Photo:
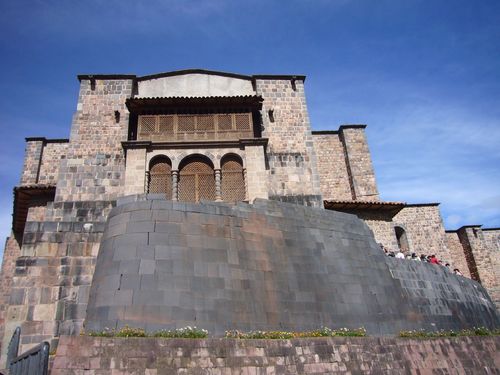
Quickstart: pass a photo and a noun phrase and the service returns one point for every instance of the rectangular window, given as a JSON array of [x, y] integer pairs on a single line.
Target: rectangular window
[[171, 128]]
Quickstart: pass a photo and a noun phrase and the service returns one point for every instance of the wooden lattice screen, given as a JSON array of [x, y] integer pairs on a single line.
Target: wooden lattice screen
[[160, 177], [196, 181], [195, 127], [233, 181]]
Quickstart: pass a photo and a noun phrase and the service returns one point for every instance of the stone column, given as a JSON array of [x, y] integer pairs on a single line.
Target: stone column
[[146, 182], [256, 174], [136, 174], [245, 182], [218, 192], [175, 185]]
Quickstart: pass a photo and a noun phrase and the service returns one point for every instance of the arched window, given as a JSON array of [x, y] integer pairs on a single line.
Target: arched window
[[402, 239], [160, 176], [196, 179], [232, 179]]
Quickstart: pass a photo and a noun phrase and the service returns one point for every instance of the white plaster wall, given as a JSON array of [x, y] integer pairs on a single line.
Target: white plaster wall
[[195, 85]]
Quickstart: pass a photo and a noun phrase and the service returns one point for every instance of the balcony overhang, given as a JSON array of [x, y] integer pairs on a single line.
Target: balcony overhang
[[238, 143], [27, 196], [389, 209], [196, 104]]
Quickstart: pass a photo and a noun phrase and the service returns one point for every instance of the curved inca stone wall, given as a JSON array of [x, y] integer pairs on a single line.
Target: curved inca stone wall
[[266, 266]]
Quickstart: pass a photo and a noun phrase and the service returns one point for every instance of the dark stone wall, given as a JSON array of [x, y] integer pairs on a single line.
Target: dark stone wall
[[268, 266], [147, 356], [49, 277]]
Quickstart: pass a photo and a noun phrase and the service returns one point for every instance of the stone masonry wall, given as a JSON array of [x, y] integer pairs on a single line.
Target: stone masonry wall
[[53, 271], [256, 172], [492, 241], [149, 356], [359, 162], [332, 168], [95, 165], [457, 255], [135, 172], [382, 228], [32, 156], [52, 154], [42, 159], [11, 253], [293, 174], [425, 230], [482, 259]]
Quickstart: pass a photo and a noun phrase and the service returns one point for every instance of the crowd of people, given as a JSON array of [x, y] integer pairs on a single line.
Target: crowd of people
[[433, 259]]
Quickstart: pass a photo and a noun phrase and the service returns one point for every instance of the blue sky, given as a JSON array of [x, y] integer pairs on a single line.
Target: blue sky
[[424, 75]]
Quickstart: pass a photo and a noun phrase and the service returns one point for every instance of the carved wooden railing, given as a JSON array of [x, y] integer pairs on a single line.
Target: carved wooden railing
[[170, 128]]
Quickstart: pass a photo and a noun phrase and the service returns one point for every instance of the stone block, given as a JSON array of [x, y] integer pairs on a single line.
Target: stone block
[[17, 296], [129, 266], [147, 267], [146, 252], [44, 312], [140, 215], [130, 281], [163, 227], [158, 239], [130, 239], [125, 252], [140, 227]]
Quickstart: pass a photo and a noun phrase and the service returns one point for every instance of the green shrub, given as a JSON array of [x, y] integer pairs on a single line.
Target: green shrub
[[235, 334], [479, 331], [186, 332], [104, 333], [130, 332], [323, 332]]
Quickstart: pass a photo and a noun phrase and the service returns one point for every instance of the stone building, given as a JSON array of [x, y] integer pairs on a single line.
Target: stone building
[[192, 136]]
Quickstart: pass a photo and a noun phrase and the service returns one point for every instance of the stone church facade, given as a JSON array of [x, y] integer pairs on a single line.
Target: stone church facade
[[191, 136]]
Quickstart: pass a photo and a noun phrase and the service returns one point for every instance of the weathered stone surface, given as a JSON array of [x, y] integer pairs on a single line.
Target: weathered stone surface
[[268, 266], [463, 355], [425, 230], [94, 166], [358, 162], [482, 255], [291, 156], [47, 282], [332, 168]]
